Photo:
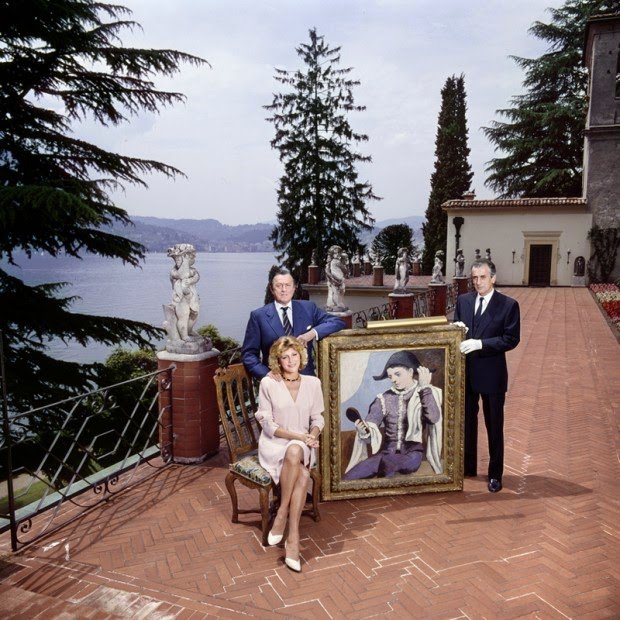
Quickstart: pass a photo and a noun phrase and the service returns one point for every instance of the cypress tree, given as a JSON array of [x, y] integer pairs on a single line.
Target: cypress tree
[[452, 175], [61, 61], [541, 141], [321, 200]]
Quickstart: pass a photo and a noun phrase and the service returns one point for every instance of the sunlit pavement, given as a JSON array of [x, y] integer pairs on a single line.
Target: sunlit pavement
[[546, 546]]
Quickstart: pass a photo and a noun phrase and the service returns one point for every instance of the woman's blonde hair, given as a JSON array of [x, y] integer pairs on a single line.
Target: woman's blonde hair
[[282, 344]]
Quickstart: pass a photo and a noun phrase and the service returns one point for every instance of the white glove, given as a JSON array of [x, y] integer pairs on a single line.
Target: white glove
[[461, 324], [467, 346]]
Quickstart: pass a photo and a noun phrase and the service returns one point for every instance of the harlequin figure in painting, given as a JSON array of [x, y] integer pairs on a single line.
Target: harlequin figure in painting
[[410, 413]]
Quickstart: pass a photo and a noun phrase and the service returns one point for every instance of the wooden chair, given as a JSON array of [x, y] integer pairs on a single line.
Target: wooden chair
[[237, 404]]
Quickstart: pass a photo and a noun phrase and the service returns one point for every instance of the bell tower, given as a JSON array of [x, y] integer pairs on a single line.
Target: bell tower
[[601, 165]]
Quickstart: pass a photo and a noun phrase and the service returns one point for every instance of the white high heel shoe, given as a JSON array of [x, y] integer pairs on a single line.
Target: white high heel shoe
[[274, 539], [292, 564]]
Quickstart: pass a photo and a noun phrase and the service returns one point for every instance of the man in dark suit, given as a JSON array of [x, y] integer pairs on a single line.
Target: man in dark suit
[[284, 316], [493, 326]]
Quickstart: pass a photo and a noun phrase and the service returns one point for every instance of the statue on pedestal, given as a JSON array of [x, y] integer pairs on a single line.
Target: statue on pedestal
[[437, 267], [487, 255], [401, 271], [477, 256], [460, 263], [336, 270], [182, 313]]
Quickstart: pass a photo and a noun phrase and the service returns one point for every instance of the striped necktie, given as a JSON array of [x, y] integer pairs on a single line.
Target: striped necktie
[[479, 310], [288, 328]]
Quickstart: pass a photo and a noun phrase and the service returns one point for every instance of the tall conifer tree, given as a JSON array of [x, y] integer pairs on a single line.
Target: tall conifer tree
[[62, 61], [541, 141], [387, 243], [321, 200], [452, 175]]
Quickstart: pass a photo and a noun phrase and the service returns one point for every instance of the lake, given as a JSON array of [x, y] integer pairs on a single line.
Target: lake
[[230, 286]]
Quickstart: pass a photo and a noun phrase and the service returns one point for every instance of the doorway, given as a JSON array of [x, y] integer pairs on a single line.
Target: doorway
[[540, 265]]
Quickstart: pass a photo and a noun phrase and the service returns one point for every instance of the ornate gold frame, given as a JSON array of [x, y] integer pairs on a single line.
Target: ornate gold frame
[[429, 341]]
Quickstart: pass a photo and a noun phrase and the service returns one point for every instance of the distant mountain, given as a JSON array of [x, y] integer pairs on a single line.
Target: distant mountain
[[158, 234], [414, 221]]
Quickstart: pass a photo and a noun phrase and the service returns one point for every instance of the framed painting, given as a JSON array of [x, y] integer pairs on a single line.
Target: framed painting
[[394, 396]]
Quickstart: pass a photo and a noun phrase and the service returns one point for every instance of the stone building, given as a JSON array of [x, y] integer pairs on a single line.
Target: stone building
[[544, 241]]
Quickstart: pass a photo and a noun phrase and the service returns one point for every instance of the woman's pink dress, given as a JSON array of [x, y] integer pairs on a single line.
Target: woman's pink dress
[[276, 408]]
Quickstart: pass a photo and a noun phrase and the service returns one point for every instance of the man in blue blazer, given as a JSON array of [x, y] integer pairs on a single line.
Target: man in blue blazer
[[493, 326], [303, 319]]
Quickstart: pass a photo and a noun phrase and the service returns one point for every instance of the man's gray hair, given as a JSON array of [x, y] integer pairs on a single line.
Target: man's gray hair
[[280, 271], [481, 262]]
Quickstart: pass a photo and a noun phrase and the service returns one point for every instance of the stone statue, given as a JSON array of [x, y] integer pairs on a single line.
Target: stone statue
[[437, 267], [313, 262], [401, 270], [487, 255], [356, 259], [478, 256], [460, 263], [335, 273], [182, 313]]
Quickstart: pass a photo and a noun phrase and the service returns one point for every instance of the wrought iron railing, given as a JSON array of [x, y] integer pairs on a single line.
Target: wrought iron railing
[[62, 459], [383, 312], [452, 292]]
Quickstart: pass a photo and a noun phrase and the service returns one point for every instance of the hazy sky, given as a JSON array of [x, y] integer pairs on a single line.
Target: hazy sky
[[402, 51]]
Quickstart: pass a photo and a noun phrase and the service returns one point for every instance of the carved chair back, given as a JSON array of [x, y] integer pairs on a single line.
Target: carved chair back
[[236, 401]]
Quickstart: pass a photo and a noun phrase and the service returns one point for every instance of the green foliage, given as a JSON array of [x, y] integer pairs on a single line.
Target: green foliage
[[62, 62], [541, 142], [605, 243], [452, 175], [321, 200], [124, 364], [221, 343], [389, 240]]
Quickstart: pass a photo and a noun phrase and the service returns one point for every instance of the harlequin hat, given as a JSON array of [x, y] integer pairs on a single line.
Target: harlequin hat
[[401, 358]]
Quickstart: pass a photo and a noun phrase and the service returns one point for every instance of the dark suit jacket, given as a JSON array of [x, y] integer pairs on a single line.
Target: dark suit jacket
[[265, 327], [499, 330]]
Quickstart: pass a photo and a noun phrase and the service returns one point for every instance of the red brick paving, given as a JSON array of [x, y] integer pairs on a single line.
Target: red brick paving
[[544, 547]]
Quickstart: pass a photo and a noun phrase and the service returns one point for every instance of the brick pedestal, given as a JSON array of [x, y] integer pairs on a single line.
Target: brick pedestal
[[192, 406], [357, 270], [367, 269], [313, 274], [347, 317], [461, 284], [377, 276], [440, 298], [416, 269], [404, 304]]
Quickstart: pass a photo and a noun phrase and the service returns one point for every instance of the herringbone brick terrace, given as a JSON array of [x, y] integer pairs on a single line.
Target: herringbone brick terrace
[[546, 546]]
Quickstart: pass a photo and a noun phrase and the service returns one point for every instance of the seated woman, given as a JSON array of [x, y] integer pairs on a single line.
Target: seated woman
[[290, 408]]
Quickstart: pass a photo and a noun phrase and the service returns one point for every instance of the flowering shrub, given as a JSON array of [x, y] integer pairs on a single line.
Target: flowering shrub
[[608, 295]]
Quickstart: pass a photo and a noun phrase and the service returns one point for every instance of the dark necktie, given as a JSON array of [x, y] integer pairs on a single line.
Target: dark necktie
[[288, 328], [478, 310]]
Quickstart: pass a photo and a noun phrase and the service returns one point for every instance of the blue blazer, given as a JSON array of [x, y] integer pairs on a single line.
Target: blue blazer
[[265, 327], [499, 330]]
